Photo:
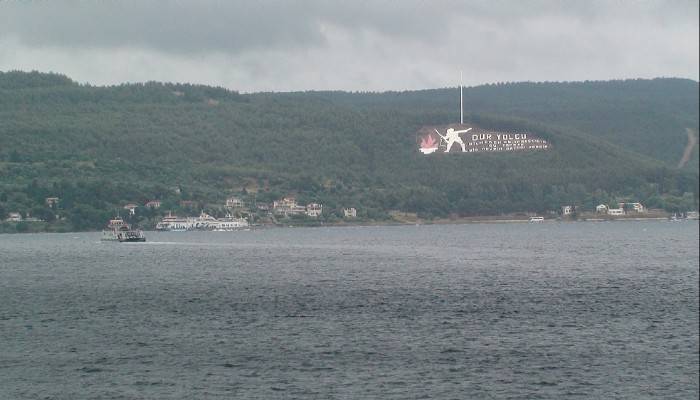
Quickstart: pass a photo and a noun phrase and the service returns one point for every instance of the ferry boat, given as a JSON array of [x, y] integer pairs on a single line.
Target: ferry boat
[[536, 219], [230, 223], [173, 223], [204, 222], [119, 231]]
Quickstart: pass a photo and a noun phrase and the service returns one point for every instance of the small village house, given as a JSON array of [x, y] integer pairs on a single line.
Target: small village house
[[636, 207], [14, 217], [287, 206], [154, 204], [601, 209], [350, 212], [131, 207], [234, 202], [51, 201], [567, 210], [314, 210], [616, 211]]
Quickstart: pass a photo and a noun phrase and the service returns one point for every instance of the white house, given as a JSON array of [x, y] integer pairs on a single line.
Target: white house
[[153, 204], [637, 207], [287, 206], [131, 207], [234, 202], [567, 210], [601, 209], [14, 217], [350, 212], [314, 210], [51, 201], [616, 211]]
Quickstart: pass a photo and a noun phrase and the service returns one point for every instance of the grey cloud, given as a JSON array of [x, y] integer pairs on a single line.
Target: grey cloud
[[176, 26], [231, 26], [360, 45]]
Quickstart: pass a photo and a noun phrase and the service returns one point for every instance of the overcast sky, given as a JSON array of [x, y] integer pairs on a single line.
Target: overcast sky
[[357, 45]]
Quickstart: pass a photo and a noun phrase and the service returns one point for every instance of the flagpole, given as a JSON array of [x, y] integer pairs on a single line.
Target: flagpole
[[461, 101]]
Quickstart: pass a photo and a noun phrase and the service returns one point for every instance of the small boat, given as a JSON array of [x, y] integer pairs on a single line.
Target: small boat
[[119, 231], [536, 219]]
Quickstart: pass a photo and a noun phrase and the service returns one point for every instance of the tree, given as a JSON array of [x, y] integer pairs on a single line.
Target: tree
[[43, 213]]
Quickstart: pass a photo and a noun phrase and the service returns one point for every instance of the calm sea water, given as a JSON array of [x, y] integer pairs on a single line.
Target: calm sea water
[[542, 311]]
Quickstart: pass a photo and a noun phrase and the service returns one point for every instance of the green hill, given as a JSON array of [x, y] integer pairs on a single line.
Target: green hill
[[99, 147], [646, 116]]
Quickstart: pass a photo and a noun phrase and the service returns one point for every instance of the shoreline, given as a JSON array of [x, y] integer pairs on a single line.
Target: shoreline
[[411, 222]]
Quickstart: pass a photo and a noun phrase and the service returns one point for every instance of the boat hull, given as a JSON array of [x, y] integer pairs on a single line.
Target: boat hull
[[130, 240], [123, 237]]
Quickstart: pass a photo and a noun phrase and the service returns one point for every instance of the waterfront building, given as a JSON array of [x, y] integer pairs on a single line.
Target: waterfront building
[[567, 210], [616, 211], [350, 212], [14, 217], [601, 209], [314, 210], [637, 207]]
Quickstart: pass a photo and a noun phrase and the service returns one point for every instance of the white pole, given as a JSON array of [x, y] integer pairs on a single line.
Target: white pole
[[461, 101]]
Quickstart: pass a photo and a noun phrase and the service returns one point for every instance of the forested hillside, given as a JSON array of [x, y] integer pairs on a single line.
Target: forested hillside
[[646, 116], [99, 147]]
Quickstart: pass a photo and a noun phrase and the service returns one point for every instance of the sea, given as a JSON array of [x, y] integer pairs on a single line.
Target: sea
[[583, 310]]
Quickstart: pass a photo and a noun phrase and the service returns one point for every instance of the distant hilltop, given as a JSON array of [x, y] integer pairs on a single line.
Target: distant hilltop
[[98, 148]]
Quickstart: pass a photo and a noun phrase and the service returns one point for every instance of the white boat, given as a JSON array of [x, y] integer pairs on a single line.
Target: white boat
[[230, 223], [204, 222], [119, 231], [173, 223], [536, 219]]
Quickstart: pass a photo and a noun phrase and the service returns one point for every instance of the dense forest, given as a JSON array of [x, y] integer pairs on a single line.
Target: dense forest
[[97, 148]]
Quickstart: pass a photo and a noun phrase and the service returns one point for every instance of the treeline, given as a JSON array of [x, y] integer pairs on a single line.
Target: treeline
[[87, 205]]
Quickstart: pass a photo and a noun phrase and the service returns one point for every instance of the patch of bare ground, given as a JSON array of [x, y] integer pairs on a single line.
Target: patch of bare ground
[[692, 141]]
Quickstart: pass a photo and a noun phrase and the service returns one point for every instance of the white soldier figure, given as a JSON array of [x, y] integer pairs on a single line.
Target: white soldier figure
[[452, 136]]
